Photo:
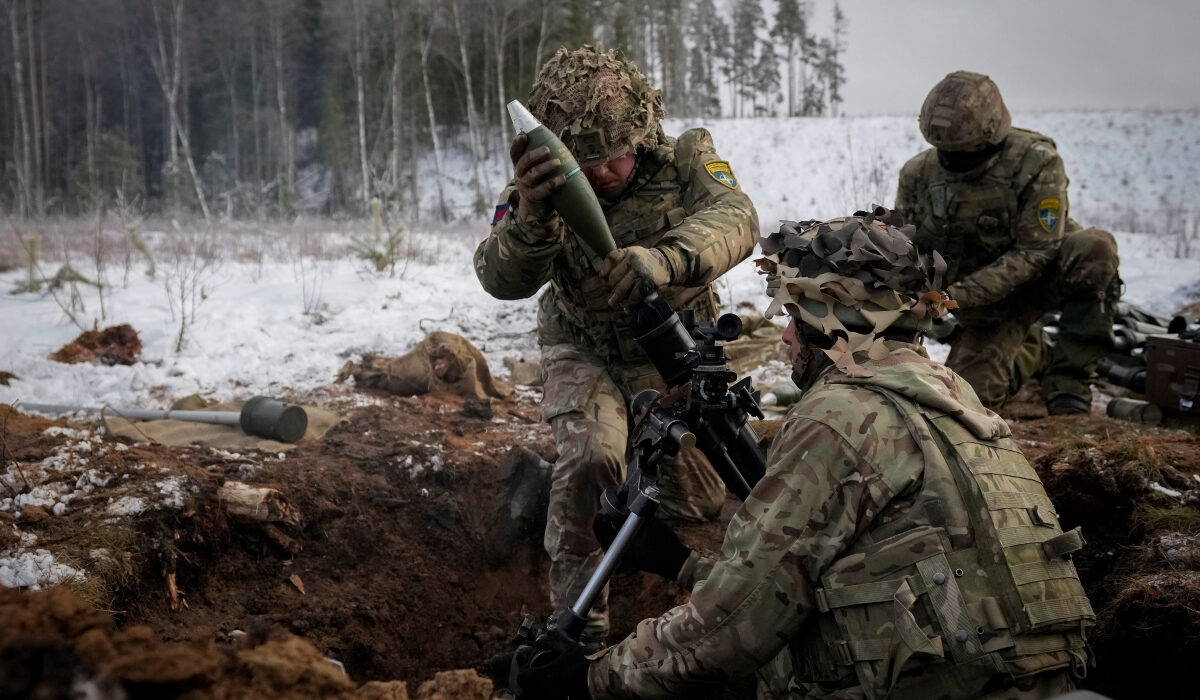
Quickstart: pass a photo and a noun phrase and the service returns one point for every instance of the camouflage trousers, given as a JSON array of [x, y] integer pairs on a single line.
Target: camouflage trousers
[[586, 405], [1083, 285]]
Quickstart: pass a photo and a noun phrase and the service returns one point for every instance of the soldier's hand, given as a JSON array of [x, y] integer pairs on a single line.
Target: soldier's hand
[[563, 678], [633, 273], [655, 548], [536, 175]]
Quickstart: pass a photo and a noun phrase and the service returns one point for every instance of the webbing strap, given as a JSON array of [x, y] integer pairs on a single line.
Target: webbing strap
[[1042, 571], [958, 628], [848, 653], [1001, 500], [1043, 612], [1019, 470], [863, 593], [1064, 544], [1025, 534], [1030, 644]]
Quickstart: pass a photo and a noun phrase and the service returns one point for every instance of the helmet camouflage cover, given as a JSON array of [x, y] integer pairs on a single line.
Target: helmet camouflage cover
[[852, 279], [598, 103], [964, 112]]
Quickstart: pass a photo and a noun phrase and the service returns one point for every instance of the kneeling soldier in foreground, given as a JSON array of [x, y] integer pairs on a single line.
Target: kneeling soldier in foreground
[[899, 546]]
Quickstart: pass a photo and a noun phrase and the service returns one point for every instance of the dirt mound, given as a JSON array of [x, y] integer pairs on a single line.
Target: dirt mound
[[115, 345], [1134, 490], [55, 645]]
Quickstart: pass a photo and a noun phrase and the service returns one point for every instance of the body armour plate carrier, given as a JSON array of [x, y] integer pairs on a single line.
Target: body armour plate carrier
[[970, 221], [983, 596]]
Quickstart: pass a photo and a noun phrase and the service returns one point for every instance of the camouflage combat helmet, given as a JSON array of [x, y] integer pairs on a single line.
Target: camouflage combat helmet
[[598, 103], [853, 278], [964, 112]]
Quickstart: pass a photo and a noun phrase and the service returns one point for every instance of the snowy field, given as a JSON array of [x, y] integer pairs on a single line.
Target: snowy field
[[283, 306]]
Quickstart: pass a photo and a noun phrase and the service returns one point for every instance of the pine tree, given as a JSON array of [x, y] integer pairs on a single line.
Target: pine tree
[[748, 21], [791, 30], [835, 72], [766, 80]]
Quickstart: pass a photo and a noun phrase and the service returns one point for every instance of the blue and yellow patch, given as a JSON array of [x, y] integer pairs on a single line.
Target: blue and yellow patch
[[1049, 213], [722, 173]]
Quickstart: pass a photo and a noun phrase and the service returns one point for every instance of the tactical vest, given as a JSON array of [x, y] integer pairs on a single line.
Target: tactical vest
[[983, 595], [653, 206], [971, 222]]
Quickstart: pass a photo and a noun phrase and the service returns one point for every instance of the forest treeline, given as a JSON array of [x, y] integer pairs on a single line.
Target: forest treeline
[[260, 108]]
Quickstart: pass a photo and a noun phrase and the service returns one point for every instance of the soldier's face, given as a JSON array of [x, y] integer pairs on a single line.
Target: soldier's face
[[609, 178], [791, 338]]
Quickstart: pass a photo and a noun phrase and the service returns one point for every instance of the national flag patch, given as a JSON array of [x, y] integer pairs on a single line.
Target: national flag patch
[[1049, 213], [501, 210], [722, 173]]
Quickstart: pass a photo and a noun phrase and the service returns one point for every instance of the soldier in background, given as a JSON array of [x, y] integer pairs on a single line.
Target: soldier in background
[[898, 546], [680, 221], [993, 200]]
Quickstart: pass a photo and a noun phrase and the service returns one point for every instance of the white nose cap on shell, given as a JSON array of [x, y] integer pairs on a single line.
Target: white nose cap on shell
[[521, 117]]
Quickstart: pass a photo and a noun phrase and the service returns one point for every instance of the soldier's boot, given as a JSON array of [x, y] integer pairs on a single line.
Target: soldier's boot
[[1085, 334]]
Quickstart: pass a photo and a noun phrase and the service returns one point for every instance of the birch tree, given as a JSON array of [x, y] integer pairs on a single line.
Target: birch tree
[[427, 21], [166, 58]]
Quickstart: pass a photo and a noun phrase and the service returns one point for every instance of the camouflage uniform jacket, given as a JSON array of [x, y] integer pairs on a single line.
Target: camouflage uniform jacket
[[674, 202], [829, 573], [999, 225]]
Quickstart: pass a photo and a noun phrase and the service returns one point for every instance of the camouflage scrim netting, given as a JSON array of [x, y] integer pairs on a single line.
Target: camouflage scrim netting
[[853, 278], [964, 112], [597, 102]]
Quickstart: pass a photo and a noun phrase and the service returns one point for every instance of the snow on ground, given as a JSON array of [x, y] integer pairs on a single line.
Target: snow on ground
[[291, 320]]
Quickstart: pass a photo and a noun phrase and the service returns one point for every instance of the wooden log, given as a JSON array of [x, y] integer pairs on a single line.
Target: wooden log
[[258, 504]]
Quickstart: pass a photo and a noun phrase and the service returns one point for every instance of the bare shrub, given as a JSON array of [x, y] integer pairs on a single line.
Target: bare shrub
[[192, 261]]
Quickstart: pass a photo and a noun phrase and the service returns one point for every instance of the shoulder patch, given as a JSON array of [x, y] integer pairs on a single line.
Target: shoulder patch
[[1049, 213], [722, 173], [501, 210]]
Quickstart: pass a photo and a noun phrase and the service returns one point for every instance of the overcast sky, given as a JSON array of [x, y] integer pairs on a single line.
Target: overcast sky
[[1044, 54]]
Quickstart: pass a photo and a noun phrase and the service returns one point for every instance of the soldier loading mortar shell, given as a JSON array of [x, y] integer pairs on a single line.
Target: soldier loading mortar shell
[[679, 221]]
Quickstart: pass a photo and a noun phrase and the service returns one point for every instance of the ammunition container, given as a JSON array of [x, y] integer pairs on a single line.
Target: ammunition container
[[1134, 410]]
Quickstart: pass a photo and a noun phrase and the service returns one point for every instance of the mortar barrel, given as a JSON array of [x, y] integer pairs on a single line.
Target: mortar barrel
[[215, 417]]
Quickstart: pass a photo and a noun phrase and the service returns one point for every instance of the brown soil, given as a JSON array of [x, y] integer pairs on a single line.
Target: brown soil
[[409, 562], [115, 345]]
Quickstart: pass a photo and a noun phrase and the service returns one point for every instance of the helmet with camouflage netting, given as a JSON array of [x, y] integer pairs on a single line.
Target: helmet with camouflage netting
[[964, 112], [597, 102], [855, 280]]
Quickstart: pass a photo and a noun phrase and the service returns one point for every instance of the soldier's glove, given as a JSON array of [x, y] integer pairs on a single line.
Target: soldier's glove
[[563, 678], [536, 176], [655, 548], [633, 273]]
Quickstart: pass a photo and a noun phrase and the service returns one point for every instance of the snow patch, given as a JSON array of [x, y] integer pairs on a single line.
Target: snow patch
[[36, 570], [126, 505], [1155, 486]]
